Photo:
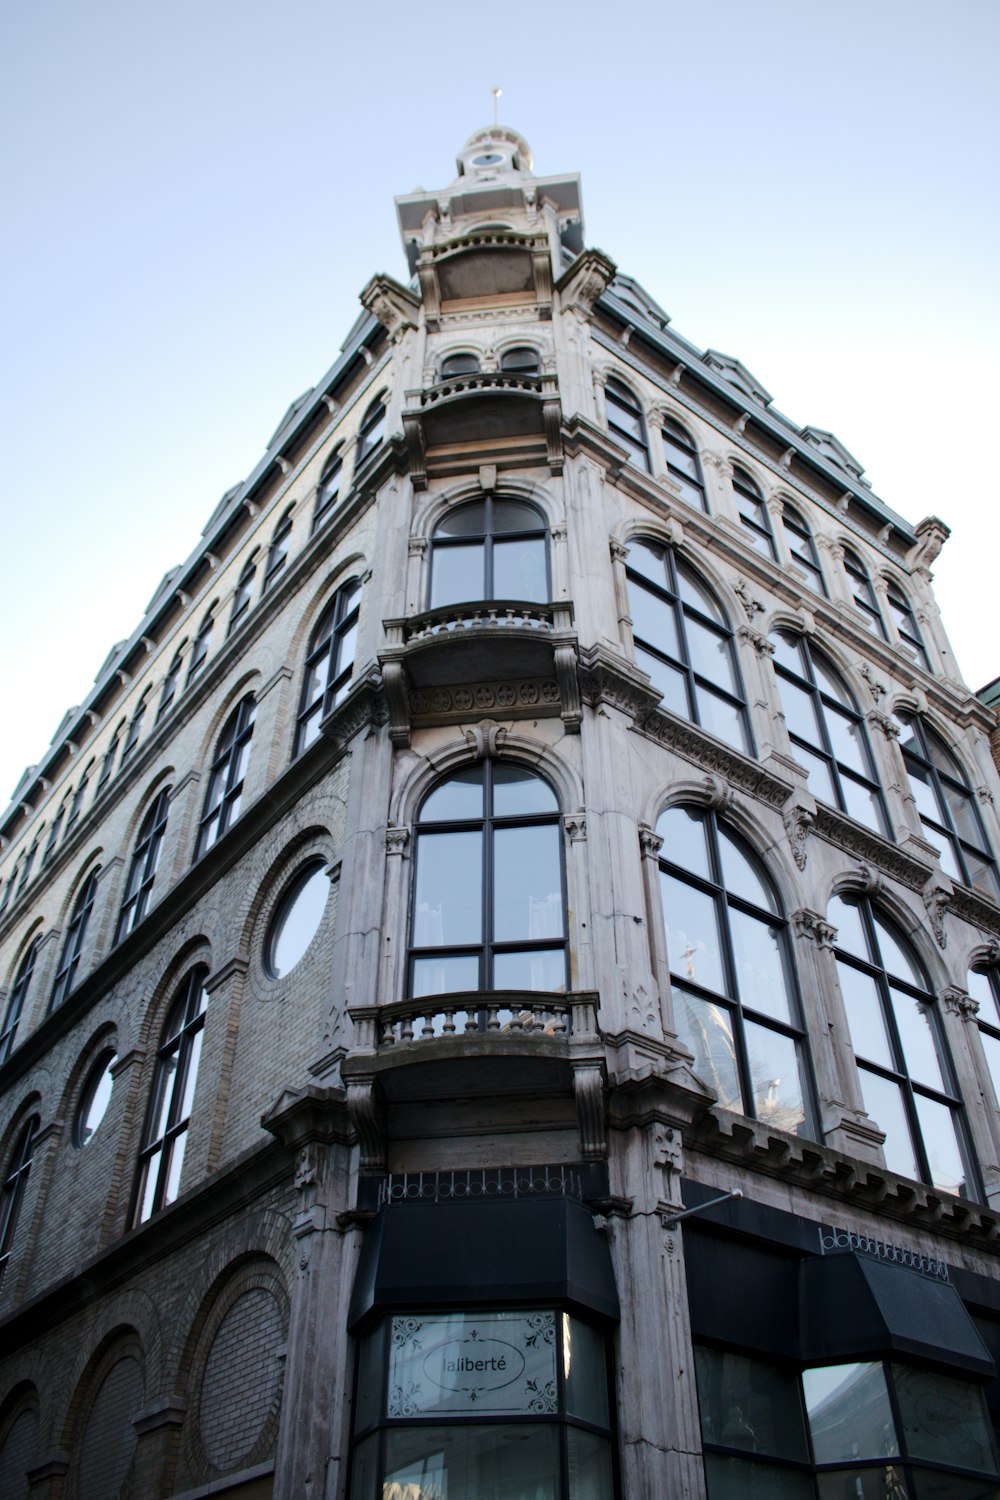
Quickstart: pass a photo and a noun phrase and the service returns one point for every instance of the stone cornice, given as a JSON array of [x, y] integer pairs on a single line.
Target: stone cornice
[[845, 834]]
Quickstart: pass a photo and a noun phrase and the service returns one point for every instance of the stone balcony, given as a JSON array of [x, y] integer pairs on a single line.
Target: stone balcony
[[500, 268], [507, 658], [496, 417]]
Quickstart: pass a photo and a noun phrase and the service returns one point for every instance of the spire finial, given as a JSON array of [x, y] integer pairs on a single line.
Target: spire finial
[[496, 104]]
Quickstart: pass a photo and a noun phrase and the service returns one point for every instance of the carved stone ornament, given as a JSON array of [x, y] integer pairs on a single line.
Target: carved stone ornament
[[306, 1167], [937, 899], [485, 740], [959, 1002], [575, 826], [931, 534], [751, 606], [883, 722], [364, 1106], [588, 1091], [798, 820], [736, 770], [811, 924], [394, 305], [417, 546], [536, 695], [756, 639], [719, 796], [649, 842], [584, 281], [667, 1148], [985, 795], [396, 840], [877, 689]]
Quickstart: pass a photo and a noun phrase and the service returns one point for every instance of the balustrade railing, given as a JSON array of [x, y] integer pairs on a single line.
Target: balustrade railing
[[507, 1016]]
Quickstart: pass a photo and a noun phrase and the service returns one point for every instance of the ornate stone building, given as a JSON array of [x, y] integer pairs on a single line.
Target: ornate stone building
[[500, 981]]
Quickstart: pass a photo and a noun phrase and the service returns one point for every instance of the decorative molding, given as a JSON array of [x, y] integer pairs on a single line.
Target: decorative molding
[[811, 924], [396, 839], [985, 796], [711, 755], [871, 848], [485, 740], [364, 707], [417, 546], [959, 1002], [798, 820], [533, 694], [751, 606], [584, 281], [575, 826], [588, 1091], [877, 689], [649, 842], [367, 1115], [396, 308], [882, 722], [937, 894], [931, 534], [756, 639], [975, 908]]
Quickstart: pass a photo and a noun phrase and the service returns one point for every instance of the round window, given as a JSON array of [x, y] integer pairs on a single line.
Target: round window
[[297, 919], [487, 159], [95, 1098]]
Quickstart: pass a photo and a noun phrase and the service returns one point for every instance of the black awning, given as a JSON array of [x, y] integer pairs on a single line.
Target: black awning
[[854, 1307], [541, 1250]]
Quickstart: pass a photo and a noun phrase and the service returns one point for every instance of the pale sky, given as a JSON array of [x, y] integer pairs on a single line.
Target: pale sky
[[196, 193]]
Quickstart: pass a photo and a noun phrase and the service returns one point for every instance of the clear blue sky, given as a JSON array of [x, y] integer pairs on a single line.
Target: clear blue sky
[[196, 193]]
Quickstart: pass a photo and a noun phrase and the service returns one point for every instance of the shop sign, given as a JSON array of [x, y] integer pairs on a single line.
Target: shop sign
[[490, 1365]]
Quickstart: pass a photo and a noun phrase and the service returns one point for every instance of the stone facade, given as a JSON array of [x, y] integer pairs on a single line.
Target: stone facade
[[522, 539]]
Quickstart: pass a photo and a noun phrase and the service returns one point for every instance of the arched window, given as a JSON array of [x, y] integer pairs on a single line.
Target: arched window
[[907, 1080], [801, 547], [12, 1193], [16, 998], [489, 549], [947, 806], [108, 763], [277, 553], [135, 727], [330, 663], [984, 987], [731, 976], [225, 782], [54, 832], [906, 625], [244, 589], [142, 872], [488, 903], [372, 431], [863, 594], [199, 651], [170, 683], [682, 463], [827, 731], [459, 364], [328, 491], [753, 514], [683, 640], [26, 868], [76, 932], [521, 361], [78, 796], [626, 423], [169, 1114]]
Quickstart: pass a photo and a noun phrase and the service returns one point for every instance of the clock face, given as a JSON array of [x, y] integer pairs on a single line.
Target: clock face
[[487, 159]]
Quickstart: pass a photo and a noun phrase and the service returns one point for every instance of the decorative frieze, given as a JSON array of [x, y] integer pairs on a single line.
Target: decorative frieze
[[870, 847], [702, 750], [536, 694]]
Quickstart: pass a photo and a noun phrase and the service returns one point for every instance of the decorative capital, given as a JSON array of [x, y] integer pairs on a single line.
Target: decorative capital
[[619, 551], [757, 640], [557, 533], [575, 827], [649, 842], [985, 795], [417, 546], [396, 840], [959, 1002], [883, 722], [811, 924]]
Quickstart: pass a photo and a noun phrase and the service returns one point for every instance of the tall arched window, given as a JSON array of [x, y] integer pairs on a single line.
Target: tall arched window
[[683, 640], [906, 624], [801, 546], [731, 976], [984, 987], [488, 902], [76, 932], [863, 594], [827, 731], [907, 1080], [277, 553], [199, 650], [169, 1114], [753, 514], [12, 1193], [225, 783], [626, 423], [372, 432], [947, 806], [328, 491], [27, 867], [244, 590], [16, 998], [142, 871], [459, 364], [170, 683], [489, 549], [682, 463], [330, 662]]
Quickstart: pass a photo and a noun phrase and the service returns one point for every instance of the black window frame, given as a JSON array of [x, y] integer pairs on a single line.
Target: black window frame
[[802, 546], [76, 804], [328, 489], [12, 1191], [905, 622], [169, 689], [15, 1000], [680, 453], [751, 507], [54, 832], [371, 433], [27, 867], [862, 592], [76, 933], [510, 365], [622, 405], [108, 763], [226, 776], [336, 623], [488, 538], [199, 646], [142, 869], [135, 725], [988, 1021], [462, 362], [920, 758], [166, 1125], [277, 552], [243, 592]]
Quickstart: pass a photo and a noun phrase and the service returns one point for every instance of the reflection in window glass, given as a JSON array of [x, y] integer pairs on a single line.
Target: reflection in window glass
[[95, 1098], [849, 1412], [489, 549], [297, 920]]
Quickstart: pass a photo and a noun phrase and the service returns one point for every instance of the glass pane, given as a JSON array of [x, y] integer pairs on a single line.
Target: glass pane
[[653, 619], [588, 1457], [624, 416], [467, 520], [445, 976], [820, 780], [682, 830], [346, 648], [457, 799], [647, 558], [519, 570], [96, 1098], [750, 1403], [677, 446], [297, 921], [798, 706], [517, 792], [788, 652], [931, 1485], [667, 680], [473, 1364], [981, 989], [691, 492], [448, 898], [191, 1074], [741, 877], [527, 899], [897, 957], [176, 1149], [775, 1078], [511, 515], [963, 814], [743, 1479], [863, 804], [148, 1192], [585, 1372], [721, 718], [710, 655], [849, 1413], [692, 933], [923, 791], [881, 1482], [847, 740], [864, 1015], [694, 593], [706, 1030], [364, 1470], [758, 952], [940, 1137], [166, 1075], [884, 1104], [846, 917], [828, 681], [510, 1462], [941, 756], [982, 874], [457, 575], [944, 1420], [537, 969], [916, 1034]]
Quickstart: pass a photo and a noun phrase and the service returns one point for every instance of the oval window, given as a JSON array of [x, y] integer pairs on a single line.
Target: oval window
[[95, 1098], [297, 919]]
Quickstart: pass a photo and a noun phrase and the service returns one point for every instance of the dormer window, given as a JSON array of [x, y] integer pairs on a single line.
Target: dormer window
[[459, 364]]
